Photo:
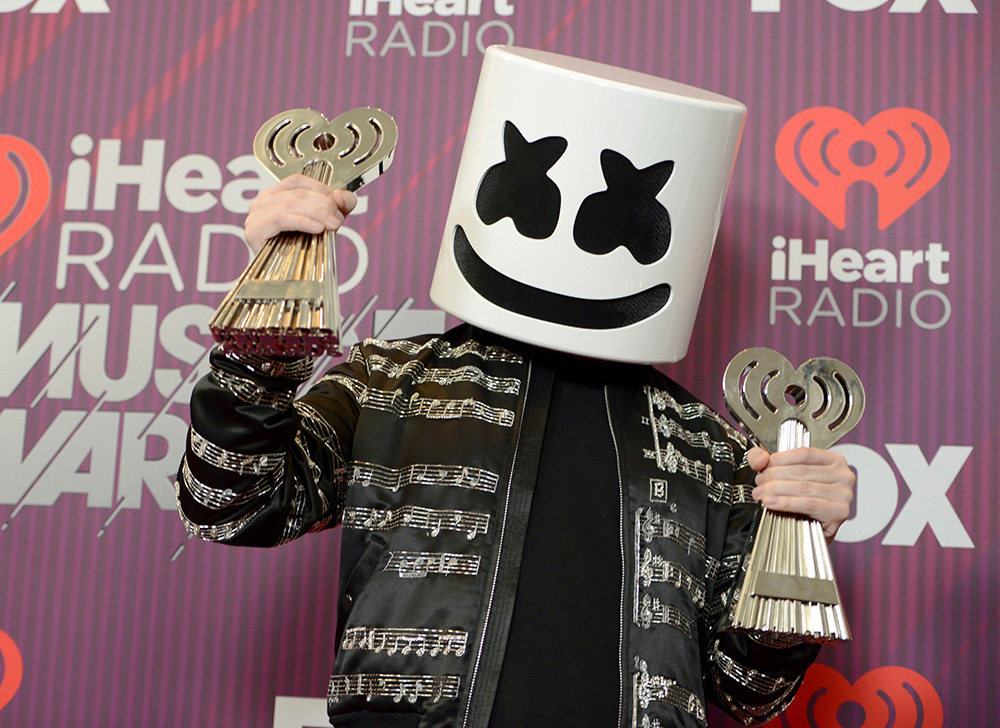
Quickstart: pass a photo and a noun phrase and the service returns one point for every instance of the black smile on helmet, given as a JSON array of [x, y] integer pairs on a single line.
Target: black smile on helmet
[[537, 303]]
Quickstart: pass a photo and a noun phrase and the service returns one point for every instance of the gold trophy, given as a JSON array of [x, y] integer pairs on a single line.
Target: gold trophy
[[790, 589], [285, 303]]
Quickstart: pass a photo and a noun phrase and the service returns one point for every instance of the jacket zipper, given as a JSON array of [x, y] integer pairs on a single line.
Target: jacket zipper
[[621, 544]]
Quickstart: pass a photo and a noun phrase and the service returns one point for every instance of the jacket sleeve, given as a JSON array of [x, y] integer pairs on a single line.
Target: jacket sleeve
[[751, 678], [260, 467]]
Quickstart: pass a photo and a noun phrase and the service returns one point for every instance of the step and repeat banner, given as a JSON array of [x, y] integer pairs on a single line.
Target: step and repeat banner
[[861, 224]]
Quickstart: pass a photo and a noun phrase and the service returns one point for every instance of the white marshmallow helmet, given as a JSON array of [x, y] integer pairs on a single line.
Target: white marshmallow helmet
[[586, 206]]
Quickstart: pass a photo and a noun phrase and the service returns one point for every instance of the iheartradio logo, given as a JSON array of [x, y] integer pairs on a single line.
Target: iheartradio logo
[[25, 185], [886, 697], [11, 668], [901, 152]]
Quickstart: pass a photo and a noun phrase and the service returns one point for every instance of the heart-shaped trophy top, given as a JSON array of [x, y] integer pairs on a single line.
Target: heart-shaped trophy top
[[762, 391], [354, 148]]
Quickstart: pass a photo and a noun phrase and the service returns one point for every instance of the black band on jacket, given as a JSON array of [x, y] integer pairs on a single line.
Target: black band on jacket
[[525, 457]]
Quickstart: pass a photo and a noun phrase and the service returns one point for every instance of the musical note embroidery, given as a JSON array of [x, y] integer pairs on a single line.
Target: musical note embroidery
[[654, 568], [249, 391], [652, 611], [656, 688], [718, 451], [650, 524], [419, 564], [429, 519], [668, 458], [691, 411], [444, 350], [366, 474], [419, 373], [218, 499], [398, 687], [401, 406], [234, 462], [404, 640], [650, 568], [748, 677]]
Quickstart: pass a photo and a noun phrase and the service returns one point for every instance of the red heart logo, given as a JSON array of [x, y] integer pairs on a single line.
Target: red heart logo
[[25, 185], [13, 669], [886, 697], [823, 151]]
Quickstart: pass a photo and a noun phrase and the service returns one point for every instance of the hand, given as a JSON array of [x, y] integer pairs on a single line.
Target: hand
[[808, 481], [296, 203]]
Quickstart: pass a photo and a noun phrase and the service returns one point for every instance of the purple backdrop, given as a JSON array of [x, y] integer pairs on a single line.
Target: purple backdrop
[[859, 224]]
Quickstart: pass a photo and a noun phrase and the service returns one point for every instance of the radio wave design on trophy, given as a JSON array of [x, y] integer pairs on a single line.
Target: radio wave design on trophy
[[901, 152], [286, 302], [764, 392], [886, 697], [790, 588]]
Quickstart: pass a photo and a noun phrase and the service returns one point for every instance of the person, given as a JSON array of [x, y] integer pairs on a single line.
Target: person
[[534, 531]]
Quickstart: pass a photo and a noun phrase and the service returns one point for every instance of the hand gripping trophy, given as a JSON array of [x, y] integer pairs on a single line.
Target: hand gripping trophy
[[790, 587], [285, 303]]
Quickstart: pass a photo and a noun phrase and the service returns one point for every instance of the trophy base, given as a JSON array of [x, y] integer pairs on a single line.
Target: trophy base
[[789, 591], [822, 627], [276, 342]]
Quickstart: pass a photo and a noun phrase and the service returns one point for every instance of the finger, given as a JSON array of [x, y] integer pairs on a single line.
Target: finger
[[294, 197], [758, 458], [806, 474], [837, 492], [833, 469], [346, 201], [301, 182], [309, 205], [289, 220], [298, 185], [829, 513], [806, 456]]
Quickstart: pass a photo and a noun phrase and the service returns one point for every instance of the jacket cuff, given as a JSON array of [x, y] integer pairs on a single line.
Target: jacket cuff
[[756, 681]]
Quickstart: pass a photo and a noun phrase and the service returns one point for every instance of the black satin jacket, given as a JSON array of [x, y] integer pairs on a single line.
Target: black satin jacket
[[425, 451]]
